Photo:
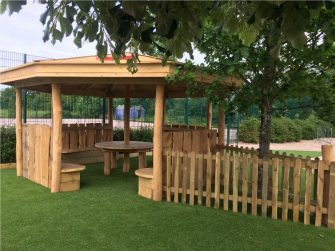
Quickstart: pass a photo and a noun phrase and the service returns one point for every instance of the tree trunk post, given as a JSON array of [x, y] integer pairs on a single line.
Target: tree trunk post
[[110, 123], [19, 153], [327, 157], [126, 113], [158, 144], [209, 115], [56, 137]]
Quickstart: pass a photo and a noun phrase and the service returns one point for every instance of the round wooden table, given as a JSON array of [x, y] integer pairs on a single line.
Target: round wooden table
[[110, 148]]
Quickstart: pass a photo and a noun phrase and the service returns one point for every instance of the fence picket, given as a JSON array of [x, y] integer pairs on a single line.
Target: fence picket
[[184, 184], [235, 182], [209, 179], [176, 177], [286, 183], [296, 198], [265, 188], [319, 201], [168, 176], [200, 178], [226, 181], [217, 179], [192, 178], [275, 188], [245, 168], [254, 184], [308, 186]]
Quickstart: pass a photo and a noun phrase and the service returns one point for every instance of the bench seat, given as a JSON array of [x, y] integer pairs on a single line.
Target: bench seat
[[70, 177], [145, 176]]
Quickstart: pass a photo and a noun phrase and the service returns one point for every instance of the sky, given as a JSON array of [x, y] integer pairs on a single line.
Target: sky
[[22, 33]]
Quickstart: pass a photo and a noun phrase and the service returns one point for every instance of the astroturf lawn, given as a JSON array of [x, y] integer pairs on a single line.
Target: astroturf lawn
[[107, 214]]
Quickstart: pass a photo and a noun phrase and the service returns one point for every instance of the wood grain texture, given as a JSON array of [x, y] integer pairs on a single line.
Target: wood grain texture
[[286, 183], [168, 176], [208, 179], [226, 181], [176, 177], [235, 182], [19, 154], [192, 178], [319, 201], [265, 188], [297, 189], [331, 206], [200, 178], [275, 184], [245, 169], [308, 191], [254, 184]]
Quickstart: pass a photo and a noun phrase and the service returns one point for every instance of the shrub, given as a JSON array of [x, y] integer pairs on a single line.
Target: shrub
[[249, 130], [294, 133], [8, 144], [279, 130], [141, 134]]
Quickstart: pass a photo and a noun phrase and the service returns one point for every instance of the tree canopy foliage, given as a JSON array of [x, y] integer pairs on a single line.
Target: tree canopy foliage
[[171, 26]]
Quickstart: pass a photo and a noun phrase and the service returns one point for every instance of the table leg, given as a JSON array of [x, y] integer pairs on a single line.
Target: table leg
[[114, 160], [142, 160], [126, 162], [107, 163]]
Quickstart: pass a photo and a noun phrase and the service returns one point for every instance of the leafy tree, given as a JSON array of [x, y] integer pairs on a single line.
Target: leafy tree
[[292, 74], [171, 26]]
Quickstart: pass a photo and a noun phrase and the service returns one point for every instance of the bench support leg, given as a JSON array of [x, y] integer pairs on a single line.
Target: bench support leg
[[126, 163], [114, 160], [142, 160], [107, 163]]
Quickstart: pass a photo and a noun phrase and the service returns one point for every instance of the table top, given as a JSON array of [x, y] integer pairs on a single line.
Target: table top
[[120, 145]]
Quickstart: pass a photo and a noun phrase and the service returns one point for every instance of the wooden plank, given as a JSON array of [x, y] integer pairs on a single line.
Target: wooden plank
[[200, 178], [45, 146], [168, 176], [184, 184], [331, 206], [31, 152], [308, 188], [209, 179], [65, 137], [192, 178], [319, 201], [196, 147], [286, 185], [176, 176], [296, 191], [226, 181], [74, 137], [265, 179], [90, 136], [209, 115], [167, 145], [275, 185], [24, 152], [235, 182], [254, 184], [18, 132], [178, 146], [187, 147], [217, 179], [98, 135], [107, 163], [245, 170], [82, 138]]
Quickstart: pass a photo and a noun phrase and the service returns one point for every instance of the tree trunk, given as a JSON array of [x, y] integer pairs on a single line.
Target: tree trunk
[[264, 139]]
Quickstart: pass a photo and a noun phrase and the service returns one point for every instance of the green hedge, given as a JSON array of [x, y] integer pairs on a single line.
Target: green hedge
[[8, 144], [145, 134], [283, 129]]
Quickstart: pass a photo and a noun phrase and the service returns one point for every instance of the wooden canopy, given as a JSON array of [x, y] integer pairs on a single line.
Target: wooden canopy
[[87, 76]]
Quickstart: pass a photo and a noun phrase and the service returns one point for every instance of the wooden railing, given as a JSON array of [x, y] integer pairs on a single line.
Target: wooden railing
[[180, 128], [79, 136], [216, 178]]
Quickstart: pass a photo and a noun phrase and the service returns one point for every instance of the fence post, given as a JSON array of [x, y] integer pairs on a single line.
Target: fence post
[[331, 206], [103, 110], [228, 130], [24, 95], [327, 157]]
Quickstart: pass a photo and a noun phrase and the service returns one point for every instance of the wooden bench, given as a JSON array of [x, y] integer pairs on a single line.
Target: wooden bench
[[70, 177], [145, 177]]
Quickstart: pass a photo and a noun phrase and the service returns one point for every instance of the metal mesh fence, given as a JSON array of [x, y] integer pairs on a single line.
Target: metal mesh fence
[[36, 107]]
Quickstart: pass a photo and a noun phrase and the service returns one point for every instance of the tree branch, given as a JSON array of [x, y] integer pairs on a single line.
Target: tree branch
[[301, 107]]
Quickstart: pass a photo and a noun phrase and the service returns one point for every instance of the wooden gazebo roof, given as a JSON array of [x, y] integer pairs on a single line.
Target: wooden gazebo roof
[[87, 76]]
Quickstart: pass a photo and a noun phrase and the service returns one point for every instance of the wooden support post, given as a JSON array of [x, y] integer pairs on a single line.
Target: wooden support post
[[327, 157], [221, 127], [19, 154], [110, 123], [164, 111], [158, 144], [209, 115], [107, 163], [56, 137], [126, 127]]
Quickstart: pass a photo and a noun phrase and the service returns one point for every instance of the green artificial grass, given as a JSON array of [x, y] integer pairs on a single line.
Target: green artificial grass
[[304, 154], [107, 214]]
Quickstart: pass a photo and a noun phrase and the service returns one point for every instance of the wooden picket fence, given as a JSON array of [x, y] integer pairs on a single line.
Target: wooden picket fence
[[230, 180], [79, 136]]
